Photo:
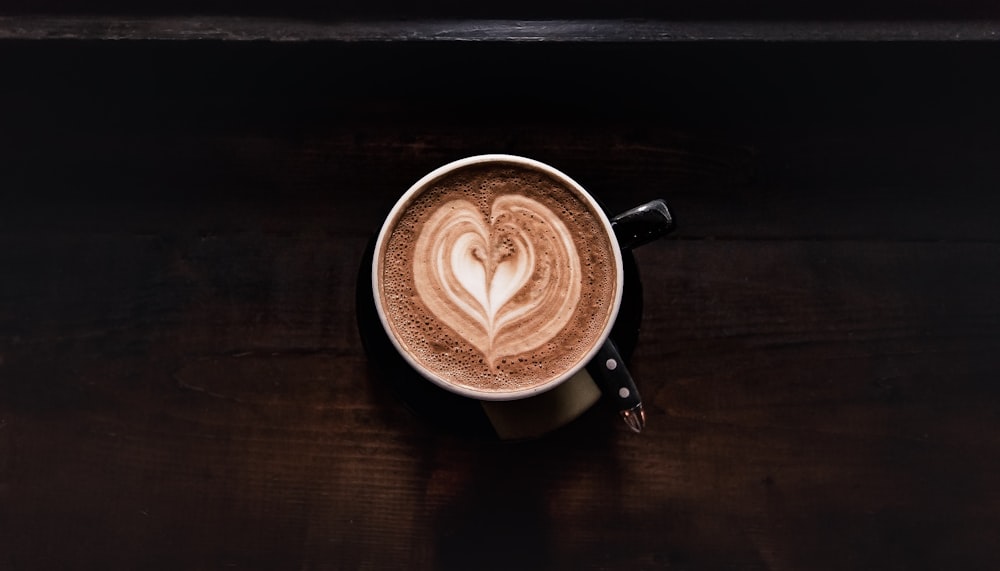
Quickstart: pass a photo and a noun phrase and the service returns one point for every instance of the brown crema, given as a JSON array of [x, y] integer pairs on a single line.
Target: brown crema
[[498, 277]]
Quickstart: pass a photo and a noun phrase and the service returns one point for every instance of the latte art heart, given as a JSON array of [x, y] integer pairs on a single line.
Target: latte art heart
[[506, 283]]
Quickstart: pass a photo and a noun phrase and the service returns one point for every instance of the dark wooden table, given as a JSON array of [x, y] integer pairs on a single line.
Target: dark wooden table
[[182, 382]]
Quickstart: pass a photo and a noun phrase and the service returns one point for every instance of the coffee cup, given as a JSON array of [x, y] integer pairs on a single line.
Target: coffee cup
[[499, 278]]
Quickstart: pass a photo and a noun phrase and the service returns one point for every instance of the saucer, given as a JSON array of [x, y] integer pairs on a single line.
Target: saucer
[[495, 420]]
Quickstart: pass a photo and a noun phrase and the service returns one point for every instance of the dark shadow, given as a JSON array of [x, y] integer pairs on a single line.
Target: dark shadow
[[507, 515]]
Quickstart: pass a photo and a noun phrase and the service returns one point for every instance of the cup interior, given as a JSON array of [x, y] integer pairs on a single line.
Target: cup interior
[[426, 182]]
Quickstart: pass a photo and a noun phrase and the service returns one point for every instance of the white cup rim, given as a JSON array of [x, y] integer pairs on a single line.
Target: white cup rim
[[390, 221]]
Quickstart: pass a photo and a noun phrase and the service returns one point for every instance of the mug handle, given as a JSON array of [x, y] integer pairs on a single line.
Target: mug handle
[[642, 224], [633, 228]]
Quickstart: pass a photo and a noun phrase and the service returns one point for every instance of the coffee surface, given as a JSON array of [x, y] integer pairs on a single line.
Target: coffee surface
[[497, 277]]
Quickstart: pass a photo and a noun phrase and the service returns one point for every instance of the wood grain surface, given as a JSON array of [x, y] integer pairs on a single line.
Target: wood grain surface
[[156, 26], [182, 383]]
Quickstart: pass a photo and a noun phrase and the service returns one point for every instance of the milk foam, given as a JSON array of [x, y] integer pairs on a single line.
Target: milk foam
[[467, 271], [498, 278]]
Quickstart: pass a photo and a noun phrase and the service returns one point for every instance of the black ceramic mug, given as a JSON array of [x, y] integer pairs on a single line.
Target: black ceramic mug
[[499, 278]]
